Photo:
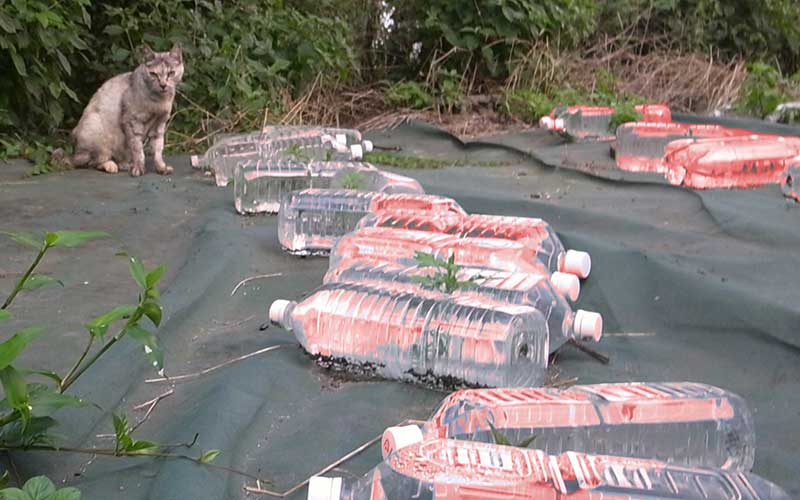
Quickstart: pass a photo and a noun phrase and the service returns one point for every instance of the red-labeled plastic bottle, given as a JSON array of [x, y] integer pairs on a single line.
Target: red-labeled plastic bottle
[[445, 469], [685, 423], [406, 336], [536, 234]]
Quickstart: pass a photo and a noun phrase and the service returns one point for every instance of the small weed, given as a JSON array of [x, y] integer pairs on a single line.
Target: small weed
[[503, 440], [623, 113], [405, 161], [295, 151], [445, 278], [353, 180]]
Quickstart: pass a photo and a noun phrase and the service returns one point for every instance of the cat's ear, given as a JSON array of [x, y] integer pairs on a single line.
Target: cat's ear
[[176, 51], [147, 54]]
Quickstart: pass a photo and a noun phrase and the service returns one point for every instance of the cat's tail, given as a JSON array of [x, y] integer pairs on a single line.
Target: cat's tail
[[60, 158]]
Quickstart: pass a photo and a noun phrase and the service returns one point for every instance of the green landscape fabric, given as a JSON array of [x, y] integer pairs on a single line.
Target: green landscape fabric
[[699, 286]]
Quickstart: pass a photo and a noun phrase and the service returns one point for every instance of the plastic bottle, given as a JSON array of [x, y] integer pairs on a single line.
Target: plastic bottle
[[737, 162], [406, 335], [381, 244], [303, 145], [640, 146], [499, 286], [310, 221], [690, 424], [260, 186], [534, 233], [445, 469]]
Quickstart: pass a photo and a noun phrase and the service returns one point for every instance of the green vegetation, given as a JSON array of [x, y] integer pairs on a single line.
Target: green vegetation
[[27, 412], [411, 162], [251, 60], [445, 278]]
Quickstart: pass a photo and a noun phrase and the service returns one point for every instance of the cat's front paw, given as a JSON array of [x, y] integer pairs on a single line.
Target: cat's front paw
[[137, 170], [164, 169]]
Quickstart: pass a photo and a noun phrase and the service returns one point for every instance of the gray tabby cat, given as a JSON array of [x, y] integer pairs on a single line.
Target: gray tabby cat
[[126, 111]]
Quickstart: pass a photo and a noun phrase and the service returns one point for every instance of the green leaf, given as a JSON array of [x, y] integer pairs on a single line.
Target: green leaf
[[100, 325], [4, 479], [19, 63], [11, 348], [208, 456], [154, 276], [73, 238], [14, 494], [499, 437], [44, 373], [152, 311], [68, 493], [39, 488], [526, 442], [37, 281], [138, 272], [24, 239], [150, 344], [141, 447], [120, 426], [46, 402], [15, 388], [113, 30], [428, 260], [4, 315]]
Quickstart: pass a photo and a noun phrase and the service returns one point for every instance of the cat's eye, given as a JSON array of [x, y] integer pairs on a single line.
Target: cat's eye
[[153, 74], [171, 74]]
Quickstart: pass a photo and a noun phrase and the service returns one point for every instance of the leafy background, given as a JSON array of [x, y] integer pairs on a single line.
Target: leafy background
[[250, 61]]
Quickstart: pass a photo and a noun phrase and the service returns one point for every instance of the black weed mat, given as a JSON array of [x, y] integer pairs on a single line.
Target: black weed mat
[[695, 286]]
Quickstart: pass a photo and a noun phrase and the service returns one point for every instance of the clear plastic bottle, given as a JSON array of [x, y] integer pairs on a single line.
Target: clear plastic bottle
[[445, 469], [690, 424], [310, 221], [306, 145], [536, 234], [584, 122], [406, 335], [499, 286], [260, 186], [401, 246]]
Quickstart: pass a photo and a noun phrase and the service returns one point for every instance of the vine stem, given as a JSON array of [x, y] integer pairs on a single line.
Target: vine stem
[[24, 278], [109, 452], [62, 387]]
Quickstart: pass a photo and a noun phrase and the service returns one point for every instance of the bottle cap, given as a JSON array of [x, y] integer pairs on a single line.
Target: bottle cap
[[195, 161], [368, 146], [577, 263], [277, 310], [558, 124], [566, 284], [356, 151], [546, 122], [324, 488], [588, 324], [341, 139], [396, 438]]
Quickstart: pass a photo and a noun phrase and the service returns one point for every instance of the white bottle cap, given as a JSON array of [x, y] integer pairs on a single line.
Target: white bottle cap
[[195, 161], [341, 139], [277, 310], [588, 324], [324, 488], [356, 151], [577, 263], [558, 124], [566, 284], [545, 122], [396, 438], [368, 146]]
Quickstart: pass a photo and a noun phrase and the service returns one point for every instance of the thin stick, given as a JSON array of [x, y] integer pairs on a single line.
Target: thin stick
[[259, 490], [191, 376], [599, 356], [150, 405], [563, 383], [251, 278]]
